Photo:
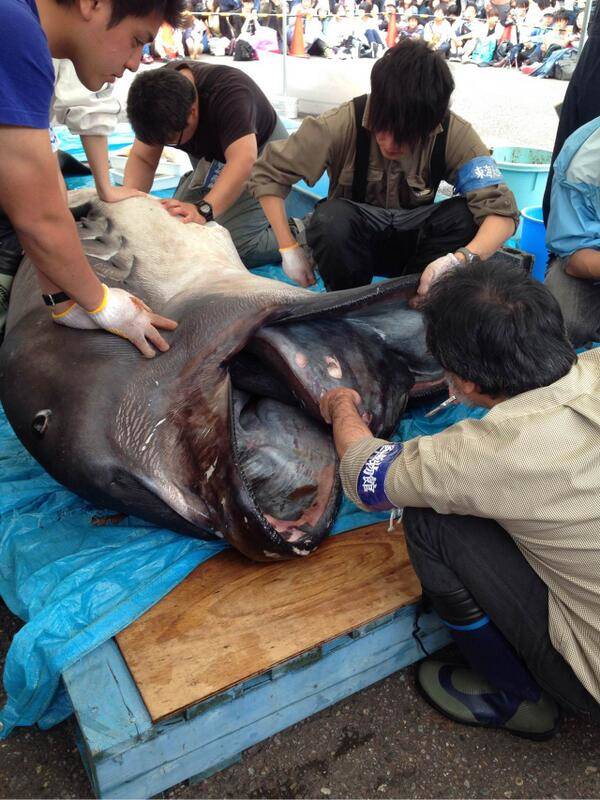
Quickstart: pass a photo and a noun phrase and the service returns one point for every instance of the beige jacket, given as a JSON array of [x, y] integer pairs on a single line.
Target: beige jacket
[[533, 464], [328, 143]]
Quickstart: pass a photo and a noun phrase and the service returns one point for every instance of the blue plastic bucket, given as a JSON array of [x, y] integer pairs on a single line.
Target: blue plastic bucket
[[533, 240], [525, 171]]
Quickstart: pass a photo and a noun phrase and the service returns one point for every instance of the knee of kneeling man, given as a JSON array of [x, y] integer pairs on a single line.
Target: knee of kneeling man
[[454, 215], [330, 218], [464, 220]]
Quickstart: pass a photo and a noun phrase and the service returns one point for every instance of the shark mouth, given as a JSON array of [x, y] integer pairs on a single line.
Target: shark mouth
[[284, 455]]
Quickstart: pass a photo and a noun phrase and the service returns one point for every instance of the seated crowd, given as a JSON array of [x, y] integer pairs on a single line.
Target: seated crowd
[[519, 33]]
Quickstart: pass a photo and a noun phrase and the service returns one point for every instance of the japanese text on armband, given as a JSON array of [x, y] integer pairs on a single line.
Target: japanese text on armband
[[478, 173], [371, 478]]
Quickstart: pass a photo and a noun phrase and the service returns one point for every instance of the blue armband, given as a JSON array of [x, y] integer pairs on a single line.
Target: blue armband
[[479, 173], [371, 478]]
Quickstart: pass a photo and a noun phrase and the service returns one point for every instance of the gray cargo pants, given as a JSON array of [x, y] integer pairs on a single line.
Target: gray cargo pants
[[245, 220], [579, 301]]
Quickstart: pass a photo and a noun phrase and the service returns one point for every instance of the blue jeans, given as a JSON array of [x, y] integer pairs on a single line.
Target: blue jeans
[[449, 552]]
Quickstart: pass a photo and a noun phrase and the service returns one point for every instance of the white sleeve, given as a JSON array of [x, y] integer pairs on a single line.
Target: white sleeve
[[82, 111]]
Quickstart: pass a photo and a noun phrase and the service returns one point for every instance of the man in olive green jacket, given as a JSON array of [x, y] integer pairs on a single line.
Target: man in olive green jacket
[[380, 217]]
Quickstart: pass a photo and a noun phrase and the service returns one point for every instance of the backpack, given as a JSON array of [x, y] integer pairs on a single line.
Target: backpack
[[244, 51]]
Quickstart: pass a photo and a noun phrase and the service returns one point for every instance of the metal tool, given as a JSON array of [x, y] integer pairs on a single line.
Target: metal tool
[[442, 406]]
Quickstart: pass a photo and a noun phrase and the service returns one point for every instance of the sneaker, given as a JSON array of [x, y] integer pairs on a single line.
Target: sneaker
[[463, 696]]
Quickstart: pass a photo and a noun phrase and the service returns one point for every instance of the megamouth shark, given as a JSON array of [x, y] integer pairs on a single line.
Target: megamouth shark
[[221, 436]]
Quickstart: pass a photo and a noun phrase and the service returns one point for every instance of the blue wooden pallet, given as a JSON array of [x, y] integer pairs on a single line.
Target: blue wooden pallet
[[126, 755]]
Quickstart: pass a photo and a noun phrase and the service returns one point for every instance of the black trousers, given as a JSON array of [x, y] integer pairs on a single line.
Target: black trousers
[[351, 242], [449, 552]]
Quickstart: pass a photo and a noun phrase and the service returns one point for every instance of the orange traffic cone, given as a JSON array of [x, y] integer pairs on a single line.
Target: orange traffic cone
[[390, 39], [297, 45]]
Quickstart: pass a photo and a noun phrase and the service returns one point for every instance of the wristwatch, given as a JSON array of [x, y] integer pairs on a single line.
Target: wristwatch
[[469, 256], [55, 299], [205, 208]]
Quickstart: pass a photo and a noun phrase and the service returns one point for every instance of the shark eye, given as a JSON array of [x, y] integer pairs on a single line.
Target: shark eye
[[41, 421]]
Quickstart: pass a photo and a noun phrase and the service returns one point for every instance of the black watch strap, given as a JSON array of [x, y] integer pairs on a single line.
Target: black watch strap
[[205, 208], [470, 256], [55, 299]]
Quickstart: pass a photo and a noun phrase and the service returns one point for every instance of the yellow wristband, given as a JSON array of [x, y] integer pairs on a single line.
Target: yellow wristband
[[102, 305], [291, 247]]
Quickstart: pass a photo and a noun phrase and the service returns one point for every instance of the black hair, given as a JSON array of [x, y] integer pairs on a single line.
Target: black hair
[[522, 4], [562, 16], [169, 9], [158, 105], [494, 325], [411, 87]]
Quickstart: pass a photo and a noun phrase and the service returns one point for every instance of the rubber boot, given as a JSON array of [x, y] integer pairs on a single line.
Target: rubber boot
[[498, 690]]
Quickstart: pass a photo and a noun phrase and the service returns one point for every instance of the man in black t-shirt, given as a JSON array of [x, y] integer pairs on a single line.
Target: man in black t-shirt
[[222, 119]]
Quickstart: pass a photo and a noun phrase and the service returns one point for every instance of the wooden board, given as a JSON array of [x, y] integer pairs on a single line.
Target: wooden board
[[232, 619]]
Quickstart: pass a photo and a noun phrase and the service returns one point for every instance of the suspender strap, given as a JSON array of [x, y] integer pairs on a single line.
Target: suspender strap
[[363, 146], [437, 167]]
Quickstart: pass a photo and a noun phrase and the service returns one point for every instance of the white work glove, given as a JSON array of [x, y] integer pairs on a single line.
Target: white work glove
[[435, 270], [297, 265], [123, 314], [127, 316], [74, 317]]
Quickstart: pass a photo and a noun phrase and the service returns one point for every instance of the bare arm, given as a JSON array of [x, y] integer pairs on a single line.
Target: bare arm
[[141, 166], [492, 233], [340, 407], [240, 157], [96, 150], [31, 197], [274, 208], [239, 160], [584, 264]]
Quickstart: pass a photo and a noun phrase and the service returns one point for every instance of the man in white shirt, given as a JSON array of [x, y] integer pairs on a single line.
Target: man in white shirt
[[92, 116]]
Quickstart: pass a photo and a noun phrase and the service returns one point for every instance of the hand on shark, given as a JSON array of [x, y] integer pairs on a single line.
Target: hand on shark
[[343, 409], [297, 265], [187, 211], [125, 315], [432, 272]]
